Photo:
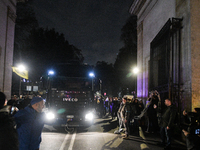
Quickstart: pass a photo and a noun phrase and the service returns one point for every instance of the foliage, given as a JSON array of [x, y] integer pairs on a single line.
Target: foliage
[[106, 73], [39, 48], [127, 56]]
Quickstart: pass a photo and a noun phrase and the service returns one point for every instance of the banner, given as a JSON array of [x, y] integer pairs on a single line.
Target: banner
[[23, 74]]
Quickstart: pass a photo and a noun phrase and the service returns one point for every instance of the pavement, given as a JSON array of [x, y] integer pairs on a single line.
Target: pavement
[[154, 139]]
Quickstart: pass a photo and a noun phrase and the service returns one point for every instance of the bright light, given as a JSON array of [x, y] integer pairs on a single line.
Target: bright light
[[51, 72], [21, 68], [91, 74], [50, 116], [89, 116], [135, 70]]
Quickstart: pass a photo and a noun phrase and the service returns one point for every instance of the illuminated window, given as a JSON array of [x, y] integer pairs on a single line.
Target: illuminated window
[[28, 88], [35, 88]]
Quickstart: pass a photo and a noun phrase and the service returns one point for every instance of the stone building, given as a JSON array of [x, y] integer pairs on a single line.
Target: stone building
[[168, 50], [7, 27]]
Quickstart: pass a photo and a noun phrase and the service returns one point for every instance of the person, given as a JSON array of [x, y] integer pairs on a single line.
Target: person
[[141, 107], [14, 104], [30, 122], [119, 118], [152, 114], [125, 114], [134, 111], [8, 134], [114, 108], [185, 120], [167, 123], [192, 133]]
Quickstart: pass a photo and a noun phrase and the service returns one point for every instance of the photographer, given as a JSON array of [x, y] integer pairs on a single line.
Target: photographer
[[193, 133]]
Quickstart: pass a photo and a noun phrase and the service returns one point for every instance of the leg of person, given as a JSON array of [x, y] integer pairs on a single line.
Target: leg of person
[[162, 135], [147, 124], [126, 126], [168, 135], [120, 120]]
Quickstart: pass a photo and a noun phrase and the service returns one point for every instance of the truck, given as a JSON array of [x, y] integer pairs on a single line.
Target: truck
[[69, 102]]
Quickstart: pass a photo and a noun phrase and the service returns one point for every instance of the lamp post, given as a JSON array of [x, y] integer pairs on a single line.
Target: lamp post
[[50, 73], [92, 75], [135, 71]]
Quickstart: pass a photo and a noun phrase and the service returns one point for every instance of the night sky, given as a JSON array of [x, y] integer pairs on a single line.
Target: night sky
[[94, 26]]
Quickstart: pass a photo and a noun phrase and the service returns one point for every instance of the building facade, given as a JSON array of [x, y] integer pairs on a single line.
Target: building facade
[[168, 54], [7, 27]]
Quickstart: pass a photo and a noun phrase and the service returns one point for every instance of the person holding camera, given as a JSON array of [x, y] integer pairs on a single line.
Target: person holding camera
[[193, 133], [8, 133]]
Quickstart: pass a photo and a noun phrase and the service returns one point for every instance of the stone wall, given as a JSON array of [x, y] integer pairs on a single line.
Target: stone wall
[[195, 52], [152, 15], [7, 26]]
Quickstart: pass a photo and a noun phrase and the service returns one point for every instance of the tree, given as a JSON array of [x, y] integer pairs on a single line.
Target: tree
[[127, 56], [25, 22], [106, 73], [46, 47], [39, 48]]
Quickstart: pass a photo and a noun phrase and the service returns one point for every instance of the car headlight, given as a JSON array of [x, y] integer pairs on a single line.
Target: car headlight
[[50, 115], [89, 116]]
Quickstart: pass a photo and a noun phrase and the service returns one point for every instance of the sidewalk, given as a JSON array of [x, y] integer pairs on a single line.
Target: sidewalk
[[154, 138]]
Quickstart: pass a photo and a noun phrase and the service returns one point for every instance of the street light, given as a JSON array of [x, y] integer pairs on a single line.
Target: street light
[[135, 71], [21, 67], [91, 74], [48, 86], [51, 72]]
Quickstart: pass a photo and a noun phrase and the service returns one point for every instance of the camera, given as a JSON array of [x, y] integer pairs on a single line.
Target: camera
[[197, 131]]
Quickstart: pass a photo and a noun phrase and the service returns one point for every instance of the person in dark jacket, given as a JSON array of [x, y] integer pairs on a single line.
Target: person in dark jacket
[[8, 134], [152, 114], [30, 122], [167, 123]]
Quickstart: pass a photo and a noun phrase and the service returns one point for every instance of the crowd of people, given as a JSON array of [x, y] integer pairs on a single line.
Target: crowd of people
[[157, 118], [22, 125], [21, 129]]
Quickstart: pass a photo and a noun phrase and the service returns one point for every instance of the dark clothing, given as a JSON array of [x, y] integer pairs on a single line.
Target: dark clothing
[[193, 138], [8, 134], [167, 120], [168, 133], [168, 117], [29, 127], [185, 122], [115, 106], [192, 142], [135, 110], [141, 106], [13, 103], [152, 115], [151, 111]]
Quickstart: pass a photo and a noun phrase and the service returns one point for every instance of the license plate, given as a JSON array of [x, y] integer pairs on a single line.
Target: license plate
[[70, 116]]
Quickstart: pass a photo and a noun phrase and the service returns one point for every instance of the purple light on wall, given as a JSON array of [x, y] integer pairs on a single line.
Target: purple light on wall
[[142, 85]]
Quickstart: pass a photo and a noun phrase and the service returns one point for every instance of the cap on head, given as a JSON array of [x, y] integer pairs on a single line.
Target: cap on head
[[36, 100]]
